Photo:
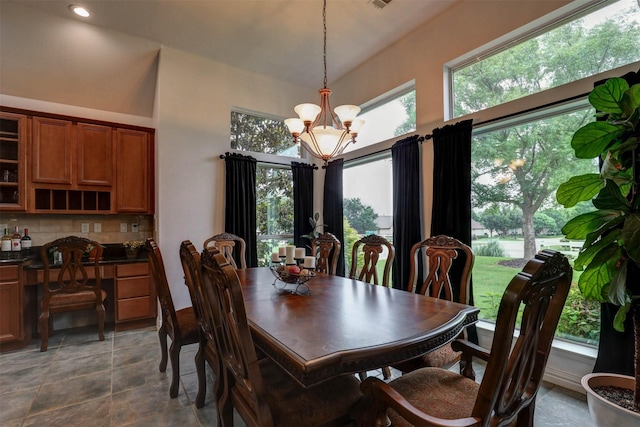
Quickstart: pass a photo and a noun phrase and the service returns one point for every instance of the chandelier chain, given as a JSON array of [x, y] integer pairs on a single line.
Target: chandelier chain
[[324, 27]]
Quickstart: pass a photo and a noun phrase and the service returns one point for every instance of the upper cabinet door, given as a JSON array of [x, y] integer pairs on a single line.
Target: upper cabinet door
[[134, 181], [52, 150], [95, 155], [13, 161]]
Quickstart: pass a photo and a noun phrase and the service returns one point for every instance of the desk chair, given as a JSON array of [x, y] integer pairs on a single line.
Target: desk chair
[[449, 264], [259, 390], [181, 325], [326, 248], [76, 286], [507, 393], [227, 244]]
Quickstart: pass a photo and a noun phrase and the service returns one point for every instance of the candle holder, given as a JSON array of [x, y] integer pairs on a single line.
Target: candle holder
[[286, 278]]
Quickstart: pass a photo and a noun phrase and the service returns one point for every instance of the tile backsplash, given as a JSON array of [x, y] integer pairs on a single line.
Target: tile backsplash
[[102, 228]]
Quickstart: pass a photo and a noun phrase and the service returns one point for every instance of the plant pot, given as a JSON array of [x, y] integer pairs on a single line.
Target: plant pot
[[132, 253], [603, 412]]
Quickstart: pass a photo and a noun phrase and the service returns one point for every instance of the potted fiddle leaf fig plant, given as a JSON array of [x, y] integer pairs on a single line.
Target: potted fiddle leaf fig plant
[[610, 256]]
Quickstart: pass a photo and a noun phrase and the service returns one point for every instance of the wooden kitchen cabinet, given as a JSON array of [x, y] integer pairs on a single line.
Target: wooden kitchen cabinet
[[95, 155], [14, 136], [11, 307], [134, 181], [135, 293], [51, 151], [63, 164]]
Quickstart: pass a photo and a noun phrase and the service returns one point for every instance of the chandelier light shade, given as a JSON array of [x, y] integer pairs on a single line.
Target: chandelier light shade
[[324, 132]]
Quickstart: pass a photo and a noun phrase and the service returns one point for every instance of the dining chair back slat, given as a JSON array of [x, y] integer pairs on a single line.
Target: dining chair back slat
[[232, 247]]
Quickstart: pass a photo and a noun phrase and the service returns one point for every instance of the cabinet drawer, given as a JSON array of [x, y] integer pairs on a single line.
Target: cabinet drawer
[[135, 269], [133, 287], [135, 308], [8, 273]]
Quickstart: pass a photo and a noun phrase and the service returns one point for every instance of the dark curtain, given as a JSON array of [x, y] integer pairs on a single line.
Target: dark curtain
[[302, 202], [240, 204], [616, 349], [333, 207], [451, 212], [405, 160]]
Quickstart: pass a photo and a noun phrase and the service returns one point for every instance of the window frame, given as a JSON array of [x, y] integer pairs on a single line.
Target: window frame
[[570, 12]]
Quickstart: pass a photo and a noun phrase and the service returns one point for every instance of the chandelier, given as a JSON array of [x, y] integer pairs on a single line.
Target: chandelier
[[322, 132]]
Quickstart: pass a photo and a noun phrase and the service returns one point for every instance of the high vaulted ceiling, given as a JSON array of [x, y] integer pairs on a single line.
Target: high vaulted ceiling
[[280, 38]]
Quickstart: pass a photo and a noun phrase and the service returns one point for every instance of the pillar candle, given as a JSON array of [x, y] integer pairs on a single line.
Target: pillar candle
[[309, 262], [275, 257], [282, 250], [299, 253], [290, 250]]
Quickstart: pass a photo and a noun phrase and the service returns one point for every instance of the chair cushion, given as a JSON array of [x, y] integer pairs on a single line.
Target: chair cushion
[[437, 392], [62, 299], [444, 357], [293, 405], [189, 326]]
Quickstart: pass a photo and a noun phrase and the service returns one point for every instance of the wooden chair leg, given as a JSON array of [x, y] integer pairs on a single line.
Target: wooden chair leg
[[386, 373], [174, 355], [525, 417], [202, 377], [44, 330], [100, 309], [362, 376], [162, 334]]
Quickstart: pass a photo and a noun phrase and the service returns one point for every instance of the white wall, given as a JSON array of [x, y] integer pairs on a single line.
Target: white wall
[[195, 96]]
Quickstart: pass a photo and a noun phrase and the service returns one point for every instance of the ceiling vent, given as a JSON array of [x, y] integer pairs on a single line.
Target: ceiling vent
[[381, 4]]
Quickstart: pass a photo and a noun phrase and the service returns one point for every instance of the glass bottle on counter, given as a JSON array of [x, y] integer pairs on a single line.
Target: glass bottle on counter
[[6, 241], [16, 241], [26, 240]]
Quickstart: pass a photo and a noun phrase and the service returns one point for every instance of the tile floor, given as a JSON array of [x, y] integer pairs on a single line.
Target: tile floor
[[81, 381]]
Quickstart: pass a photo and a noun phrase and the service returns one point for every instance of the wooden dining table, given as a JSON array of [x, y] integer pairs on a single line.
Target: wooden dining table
[[344, 325]]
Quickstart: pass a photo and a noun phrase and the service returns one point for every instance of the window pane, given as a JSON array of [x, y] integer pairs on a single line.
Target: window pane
[[515, 172], [368, 204], [261, 135], [603, 40], [274, 210], [394, 117]]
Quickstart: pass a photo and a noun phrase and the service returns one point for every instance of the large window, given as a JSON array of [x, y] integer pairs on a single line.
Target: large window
[[517, 166], [600, 40], [390, 115], [519, 161], [261, 134], [368, 203], [274, 210]]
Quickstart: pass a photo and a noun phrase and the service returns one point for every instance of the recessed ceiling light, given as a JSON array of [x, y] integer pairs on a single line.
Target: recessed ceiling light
[[79, 10]]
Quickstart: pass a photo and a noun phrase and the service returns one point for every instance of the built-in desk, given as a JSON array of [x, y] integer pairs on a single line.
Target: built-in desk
[[130, 288]]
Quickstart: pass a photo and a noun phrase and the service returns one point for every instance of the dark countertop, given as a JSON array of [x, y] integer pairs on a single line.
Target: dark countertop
[[113, 253]]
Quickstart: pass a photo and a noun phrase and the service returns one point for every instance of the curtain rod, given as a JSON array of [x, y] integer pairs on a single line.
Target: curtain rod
[[364, 156], [223, 156]]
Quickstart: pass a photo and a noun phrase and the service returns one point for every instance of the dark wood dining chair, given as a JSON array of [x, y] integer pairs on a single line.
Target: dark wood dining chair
[[326, 248], [76, 286], [507, 392], [258, 389], [372, 246], [181, 325], [227, 244], [449, 263], [190, 258]]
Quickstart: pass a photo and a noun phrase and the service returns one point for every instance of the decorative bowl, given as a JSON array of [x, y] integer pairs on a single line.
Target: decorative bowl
[[280, 273]]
